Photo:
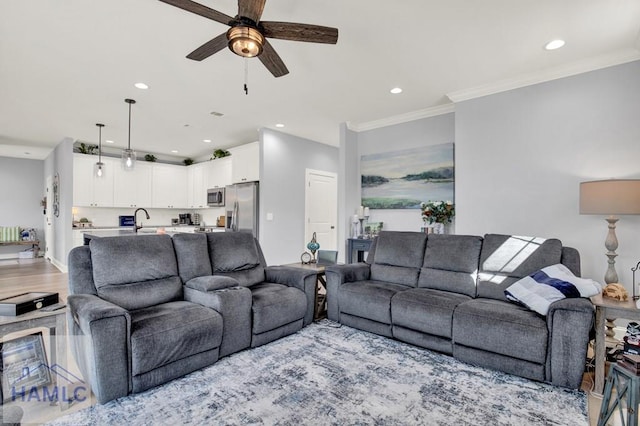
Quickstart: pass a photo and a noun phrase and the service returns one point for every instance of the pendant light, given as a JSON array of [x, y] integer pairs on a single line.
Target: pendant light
[[99, 166], [129, 155]]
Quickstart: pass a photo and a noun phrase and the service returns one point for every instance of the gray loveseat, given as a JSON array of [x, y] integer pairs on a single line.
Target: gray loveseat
[[446, 293], [146, 309]]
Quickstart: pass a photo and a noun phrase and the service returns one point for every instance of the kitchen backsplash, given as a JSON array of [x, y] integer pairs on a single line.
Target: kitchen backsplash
[[105, 216]]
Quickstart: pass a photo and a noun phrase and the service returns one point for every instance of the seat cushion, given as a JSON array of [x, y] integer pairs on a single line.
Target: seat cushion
[[501, 327], [425, 310], [275, 305], [369, 299], [171, 331]]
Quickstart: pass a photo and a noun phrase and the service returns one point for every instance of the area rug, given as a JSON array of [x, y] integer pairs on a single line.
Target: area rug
[[326, 375]]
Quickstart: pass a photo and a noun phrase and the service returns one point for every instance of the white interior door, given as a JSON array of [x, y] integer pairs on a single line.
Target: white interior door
[[48, 220], [321, 208]]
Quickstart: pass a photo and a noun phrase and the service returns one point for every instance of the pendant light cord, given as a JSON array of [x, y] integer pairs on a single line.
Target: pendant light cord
[[129, 137]]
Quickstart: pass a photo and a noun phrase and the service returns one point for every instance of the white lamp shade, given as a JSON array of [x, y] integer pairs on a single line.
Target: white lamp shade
[[610, 197], [99, 169], [128, 159]]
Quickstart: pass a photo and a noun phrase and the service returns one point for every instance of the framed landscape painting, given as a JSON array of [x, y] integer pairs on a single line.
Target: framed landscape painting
[[404, 179]]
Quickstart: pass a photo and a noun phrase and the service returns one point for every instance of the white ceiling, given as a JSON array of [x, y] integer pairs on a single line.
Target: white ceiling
[[68, 64]]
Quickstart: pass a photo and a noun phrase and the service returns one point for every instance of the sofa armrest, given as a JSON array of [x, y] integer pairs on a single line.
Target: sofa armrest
[[100, 334], [211, 283], [569, 322], [302, 279], [234, 304], [338, 275]]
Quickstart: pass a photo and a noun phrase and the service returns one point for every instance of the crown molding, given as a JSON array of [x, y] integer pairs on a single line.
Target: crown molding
[[579, 67], [402, 118]]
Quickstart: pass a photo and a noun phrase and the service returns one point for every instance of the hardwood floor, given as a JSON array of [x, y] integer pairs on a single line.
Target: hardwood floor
[[26, 275], [30, 275]]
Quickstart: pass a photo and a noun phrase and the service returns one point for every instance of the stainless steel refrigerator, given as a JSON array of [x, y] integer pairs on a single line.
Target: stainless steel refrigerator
[[241, 203]]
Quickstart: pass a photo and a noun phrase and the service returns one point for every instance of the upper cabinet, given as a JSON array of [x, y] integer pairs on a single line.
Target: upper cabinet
[[89, 190], [245, 163], [168, 186], [219, 173], [132, 188], [196, 186]]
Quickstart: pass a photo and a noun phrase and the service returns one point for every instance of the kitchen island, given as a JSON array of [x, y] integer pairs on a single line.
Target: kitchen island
[[99, 233]]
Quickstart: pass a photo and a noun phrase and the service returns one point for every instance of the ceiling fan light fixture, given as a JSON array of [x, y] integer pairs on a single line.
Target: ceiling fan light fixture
[[245, 41]]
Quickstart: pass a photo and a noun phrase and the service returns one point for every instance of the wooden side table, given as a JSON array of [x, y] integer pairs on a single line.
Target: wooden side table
[[608, 308], [320, 308]]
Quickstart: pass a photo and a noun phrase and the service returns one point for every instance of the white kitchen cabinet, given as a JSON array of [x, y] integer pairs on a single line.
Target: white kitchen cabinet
[[245, 163], [89, 190], [133, 188], [219, 173], [197, 186], [168, 186]]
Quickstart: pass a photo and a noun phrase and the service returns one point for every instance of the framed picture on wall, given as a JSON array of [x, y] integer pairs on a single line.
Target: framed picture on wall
[[404, 179]]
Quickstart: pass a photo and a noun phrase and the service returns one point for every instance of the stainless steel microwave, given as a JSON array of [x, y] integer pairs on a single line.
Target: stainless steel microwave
[[215, 197]]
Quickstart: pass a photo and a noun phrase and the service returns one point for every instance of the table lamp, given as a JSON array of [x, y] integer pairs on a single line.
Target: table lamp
[[610, 197]]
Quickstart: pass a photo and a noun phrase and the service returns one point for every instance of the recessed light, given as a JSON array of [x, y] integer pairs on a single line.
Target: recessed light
[[141, 86], [206, 140], [396, 90], [280, 125], [175, 151], [109, 141], [554, 44]]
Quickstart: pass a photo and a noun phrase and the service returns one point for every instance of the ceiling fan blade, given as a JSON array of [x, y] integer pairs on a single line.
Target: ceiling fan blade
[[209, 48], [270, 59], [251, 9], [299, 32], [199, 9]]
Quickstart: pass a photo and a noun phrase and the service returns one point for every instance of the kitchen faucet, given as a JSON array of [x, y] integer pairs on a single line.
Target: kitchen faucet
[[135, 218]]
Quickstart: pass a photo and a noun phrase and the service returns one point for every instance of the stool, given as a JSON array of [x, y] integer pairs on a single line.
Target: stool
[[627, 384]]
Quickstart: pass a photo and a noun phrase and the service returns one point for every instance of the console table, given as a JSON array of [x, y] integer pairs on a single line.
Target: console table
[[358, 247], [608, 308]]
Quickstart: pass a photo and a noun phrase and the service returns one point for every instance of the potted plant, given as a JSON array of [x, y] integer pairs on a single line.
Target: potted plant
[[150, 157], [220, 153], [438, 213], [187, 161]]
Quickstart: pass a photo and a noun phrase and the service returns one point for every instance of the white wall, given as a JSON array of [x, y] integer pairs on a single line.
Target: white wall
[[20, 202], [520, 156], [284, 159], [61, 161]]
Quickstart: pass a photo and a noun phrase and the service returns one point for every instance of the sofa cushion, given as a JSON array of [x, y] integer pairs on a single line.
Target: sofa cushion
[[369, 299], [192, 253], [505, 259], [236, 254], [425, 310], [451, 263], [397, 257], [172, 331], [135, 271], [502, 328], [556, 282], [275, 305]]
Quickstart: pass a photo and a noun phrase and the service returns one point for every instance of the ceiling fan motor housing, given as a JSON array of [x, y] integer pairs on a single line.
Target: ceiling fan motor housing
[[245, 39]]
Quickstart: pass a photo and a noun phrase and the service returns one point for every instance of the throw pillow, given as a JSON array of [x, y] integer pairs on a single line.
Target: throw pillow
[[556, 282]]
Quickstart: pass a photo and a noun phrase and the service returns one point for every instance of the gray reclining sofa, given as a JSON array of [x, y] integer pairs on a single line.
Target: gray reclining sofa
[[146, 309], [446, 293]]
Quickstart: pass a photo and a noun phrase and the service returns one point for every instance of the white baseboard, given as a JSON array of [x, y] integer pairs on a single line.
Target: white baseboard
[[61, 266]]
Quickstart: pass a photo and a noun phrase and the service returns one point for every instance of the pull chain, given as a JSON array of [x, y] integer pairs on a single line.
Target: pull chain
[[246, 76]]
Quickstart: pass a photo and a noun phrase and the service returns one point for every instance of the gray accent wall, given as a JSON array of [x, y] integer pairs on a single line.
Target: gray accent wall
[[284, 160], [521, 155], [424, 132], [20, 203]]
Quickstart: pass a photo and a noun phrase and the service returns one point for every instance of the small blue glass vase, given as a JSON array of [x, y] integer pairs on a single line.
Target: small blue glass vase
[[313, 246]]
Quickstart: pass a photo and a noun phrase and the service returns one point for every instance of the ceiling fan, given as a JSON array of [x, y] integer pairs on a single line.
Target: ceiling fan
[[248, 35]]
